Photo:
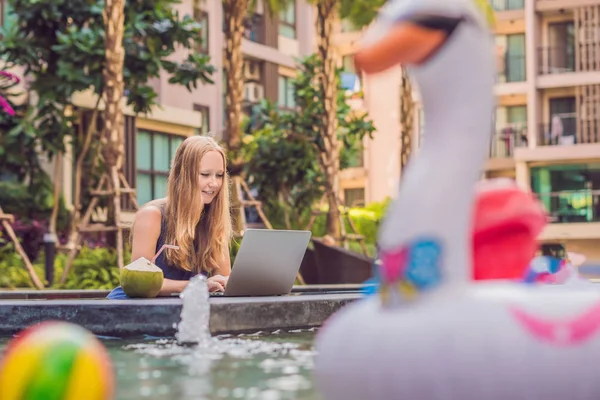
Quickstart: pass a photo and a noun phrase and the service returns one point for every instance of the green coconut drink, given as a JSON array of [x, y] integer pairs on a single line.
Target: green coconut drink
[[141, 278]]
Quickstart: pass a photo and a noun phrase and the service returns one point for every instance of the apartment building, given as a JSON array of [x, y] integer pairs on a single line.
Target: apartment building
[[271, 46], [375, 175], [547, 122]]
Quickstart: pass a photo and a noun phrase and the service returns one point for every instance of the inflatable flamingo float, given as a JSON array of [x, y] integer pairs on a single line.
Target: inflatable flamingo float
[[433, 332]]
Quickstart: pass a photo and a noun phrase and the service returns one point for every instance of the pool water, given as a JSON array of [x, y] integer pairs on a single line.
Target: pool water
[[274, 366]]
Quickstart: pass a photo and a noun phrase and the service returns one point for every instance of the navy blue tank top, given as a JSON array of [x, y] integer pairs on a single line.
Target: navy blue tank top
[[170, 271]]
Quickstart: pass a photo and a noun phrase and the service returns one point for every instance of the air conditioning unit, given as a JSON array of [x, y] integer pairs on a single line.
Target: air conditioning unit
[[251, 71], [253, 92]]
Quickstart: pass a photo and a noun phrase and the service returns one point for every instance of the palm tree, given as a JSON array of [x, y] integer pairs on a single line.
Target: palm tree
[[407, 110], [235, 13], [327, 15], [113, 146], [360, 13]]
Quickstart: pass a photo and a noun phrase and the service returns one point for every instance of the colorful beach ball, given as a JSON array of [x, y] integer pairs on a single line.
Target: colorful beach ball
[[56, 361]]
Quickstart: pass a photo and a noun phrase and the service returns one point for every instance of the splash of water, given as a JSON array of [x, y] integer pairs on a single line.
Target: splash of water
[[195, 314]]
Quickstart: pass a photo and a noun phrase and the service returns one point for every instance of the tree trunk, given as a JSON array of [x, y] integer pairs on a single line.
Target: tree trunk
[[112, 135], [56, 195], [234, 13], [326, 16], [407, 110]]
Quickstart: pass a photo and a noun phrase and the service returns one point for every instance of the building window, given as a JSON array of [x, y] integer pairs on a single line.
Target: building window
[[511, 131], [511, 52], [287, 21], [286, 96], [506, 5], [7, 17], [354, 197], [570, 193], [201, 17], [205, 118], [561, 129], [154, 153], [559, 56]]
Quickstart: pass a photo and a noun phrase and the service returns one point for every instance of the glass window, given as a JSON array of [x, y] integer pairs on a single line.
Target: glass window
[[286, 96], [7, 17], [154, 154], [570, 193], [505, 5], [354, 197], [560, 55], [144, 150], [511, 58], [205, 118], [201, 17], [515, 58], [287, 21]]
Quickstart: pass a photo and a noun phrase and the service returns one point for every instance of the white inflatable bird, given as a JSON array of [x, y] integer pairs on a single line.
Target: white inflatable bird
[[433, 333]]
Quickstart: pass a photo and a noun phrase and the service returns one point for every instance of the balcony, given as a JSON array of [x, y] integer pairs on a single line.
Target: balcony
[[507, 5], [556, 60], [505, 140], [572, 206], [512, 69], [565, 131]]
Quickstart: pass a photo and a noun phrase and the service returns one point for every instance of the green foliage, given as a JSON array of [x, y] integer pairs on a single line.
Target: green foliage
[[282, 148], [360, 12], [66, 55], [92, 269], [31, 201], [366, 220]]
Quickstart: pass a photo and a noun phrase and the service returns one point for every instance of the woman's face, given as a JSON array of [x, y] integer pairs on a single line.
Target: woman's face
[[211, 176]]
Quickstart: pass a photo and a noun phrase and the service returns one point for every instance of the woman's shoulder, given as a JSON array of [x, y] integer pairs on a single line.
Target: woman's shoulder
[[149, 215]]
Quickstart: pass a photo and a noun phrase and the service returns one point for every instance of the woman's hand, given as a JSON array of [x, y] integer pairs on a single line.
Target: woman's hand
[[217, 283]]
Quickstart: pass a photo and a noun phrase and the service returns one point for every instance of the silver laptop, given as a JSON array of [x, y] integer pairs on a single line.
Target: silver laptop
[[267, 262]]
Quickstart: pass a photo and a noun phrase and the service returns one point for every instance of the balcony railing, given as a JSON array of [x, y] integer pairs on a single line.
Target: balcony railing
[[564, 131], [507, 5], [512, 69], [506, 139], [556, 60], [572, 206]]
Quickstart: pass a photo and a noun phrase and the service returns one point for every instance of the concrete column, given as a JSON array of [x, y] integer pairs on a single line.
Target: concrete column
[[532, 38], [383, 163], [522, 176]]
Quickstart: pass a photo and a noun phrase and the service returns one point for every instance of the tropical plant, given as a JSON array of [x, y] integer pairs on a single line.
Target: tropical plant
[[287, 155], [328, 13]]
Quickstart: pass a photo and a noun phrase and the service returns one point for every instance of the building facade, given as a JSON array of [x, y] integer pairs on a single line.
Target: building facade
[[547, 122], [271, 46]]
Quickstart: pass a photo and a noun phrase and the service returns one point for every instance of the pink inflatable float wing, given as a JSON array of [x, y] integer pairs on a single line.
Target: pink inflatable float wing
[[561, 333]]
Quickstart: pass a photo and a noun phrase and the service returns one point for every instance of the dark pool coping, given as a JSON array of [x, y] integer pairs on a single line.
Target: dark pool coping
[[100, 294], [159, 317]]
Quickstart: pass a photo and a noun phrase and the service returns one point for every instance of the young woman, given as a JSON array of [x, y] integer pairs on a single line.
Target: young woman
[[194, 216]]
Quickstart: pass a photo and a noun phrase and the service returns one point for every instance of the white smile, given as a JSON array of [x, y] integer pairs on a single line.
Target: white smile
[[207, 192]]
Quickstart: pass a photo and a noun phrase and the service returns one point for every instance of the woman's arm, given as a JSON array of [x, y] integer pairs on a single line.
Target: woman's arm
[[146, 230]]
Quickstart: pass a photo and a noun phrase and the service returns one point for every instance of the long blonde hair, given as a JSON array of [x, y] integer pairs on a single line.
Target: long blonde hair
[[202, 232]]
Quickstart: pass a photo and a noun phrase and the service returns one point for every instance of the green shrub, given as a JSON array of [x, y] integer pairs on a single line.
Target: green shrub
[[366, 220], [92, 269]]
